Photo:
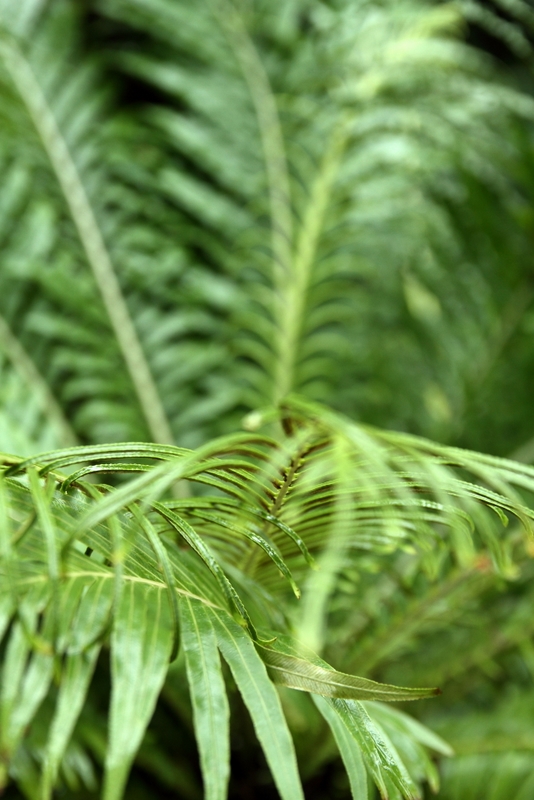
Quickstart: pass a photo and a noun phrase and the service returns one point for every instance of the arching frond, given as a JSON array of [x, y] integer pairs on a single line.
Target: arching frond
[[75, 297], [102, 553]]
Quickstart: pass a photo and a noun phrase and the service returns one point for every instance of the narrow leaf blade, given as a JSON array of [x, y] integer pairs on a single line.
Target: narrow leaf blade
[[349, 749], [208, 695], [298, 673], [141, 645], [388, 771], [75, 681], [263, 703]]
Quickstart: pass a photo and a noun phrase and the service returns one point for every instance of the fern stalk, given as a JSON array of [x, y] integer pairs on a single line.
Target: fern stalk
[[270, 129], [294, 289]]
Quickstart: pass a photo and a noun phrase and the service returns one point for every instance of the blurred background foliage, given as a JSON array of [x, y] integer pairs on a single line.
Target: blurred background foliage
[[387, 148]]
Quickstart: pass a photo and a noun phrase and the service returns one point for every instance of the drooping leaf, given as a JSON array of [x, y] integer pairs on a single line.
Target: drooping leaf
[[382, 760], [75, 678], [27, 671], [298, 673], [412, 740], [141, 644], [208, 695], [262, 701], [83, 647], [349, 750]]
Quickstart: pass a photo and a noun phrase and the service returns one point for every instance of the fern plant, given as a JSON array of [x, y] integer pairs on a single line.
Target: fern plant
[[288, 224]]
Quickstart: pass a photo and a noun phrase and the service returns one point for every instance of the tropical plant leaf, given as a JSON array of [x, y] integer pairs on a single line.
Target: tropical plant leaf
[[381, 758], [349, 749], [358, 231], [299, 673], [83, 646], [75, 679], [27, 671], [208, 694], [412, 741], [263, 704], [141, 644]]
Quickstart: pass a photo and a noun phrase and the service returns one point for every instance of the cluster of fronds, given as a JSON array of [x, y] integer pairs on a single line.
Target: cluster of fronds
[[85, 564], [318, 204]]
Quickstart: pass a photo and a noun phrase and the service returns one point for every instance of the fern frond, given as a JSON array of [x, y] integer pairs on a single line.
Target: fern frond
[[395, 490], [385, 122], [323, 199]]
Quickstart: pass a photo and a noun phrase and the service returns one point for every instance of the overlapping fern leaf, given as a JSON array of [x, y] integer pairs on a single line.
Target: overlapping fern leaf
[[85, 565]]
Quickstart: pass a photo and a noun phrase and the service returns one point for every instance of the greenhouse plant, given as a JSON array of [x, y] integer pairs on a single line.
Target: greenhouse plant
[[266, 347]]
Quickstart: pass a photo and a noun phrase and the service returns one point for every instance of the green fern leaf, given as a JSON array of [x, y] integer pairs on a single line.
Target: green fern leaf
[[262, 702], [141, 644], [208, 694]]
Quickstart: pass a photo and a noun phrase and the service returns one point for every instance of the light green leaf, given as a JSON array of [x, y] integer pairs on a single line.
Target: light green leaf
[[165, 564], [76, 676], [381, 758], [47, 524], [6, 554], [348, 748], [201, 548], [262, 701], [26, 675], [90, 623], [405, 722], [297, 673], [208, 695], [141, 645], [412, 753], [258, 540], [6, 612]]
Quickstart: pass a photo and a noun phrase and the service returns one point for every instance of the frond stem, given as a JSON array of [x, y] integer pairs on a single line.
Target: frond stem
[[293, 289], [272, 138], [254, 555]]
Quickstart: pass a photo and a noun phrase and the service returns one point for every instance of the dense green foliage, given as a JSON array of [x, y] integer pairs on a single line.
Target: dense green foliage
[[266, 271]]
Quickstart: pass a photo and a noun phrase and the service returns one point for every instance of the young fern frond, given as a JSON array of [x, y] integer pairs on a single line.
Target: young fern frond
[[383, 119], [66, 191], [270, 130]]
